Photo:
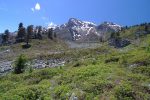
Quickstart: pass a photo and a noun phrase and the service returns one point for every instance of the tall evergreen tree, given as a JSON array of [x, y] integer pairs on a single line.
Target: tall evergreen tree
[[21, 33], [50, 33], [29, 33], [55, 35], [20, 25], [5, 36], [39, 34], [146, 27]]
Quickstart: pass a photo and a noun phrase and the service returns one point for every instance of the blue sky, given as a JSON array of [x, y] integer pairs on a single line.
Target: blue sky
[[43, 12]]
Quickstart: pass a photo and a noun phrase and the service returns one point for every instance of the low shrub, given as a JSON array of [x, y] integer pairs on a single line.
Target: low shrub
[[142, 69], [61, 92], [96, 87], [112, 59], [124, 92], [36, 92], [6, 86], [46, 73]]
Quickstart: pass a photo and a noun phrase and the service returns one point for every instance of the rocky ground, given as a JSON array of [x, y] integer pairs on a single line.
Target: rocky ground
[[38, 64], [83, 45], [7, 66]]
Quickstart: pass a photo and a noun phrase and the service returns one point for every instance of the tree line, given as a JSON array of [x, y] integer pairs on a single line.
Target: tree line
[[28, 33]]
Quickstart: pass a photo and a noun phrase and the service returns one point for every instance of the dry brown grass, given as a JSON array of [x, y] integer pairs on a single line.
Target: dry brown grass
[[38, 48]]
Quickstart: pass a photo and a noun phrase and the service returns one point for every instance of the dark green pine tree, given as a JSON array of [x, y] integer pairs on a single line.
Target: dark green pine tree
[[29, 33], [5, 36], [50, 33], [146, 27], [55, 35], [39, 34], [21, 33]]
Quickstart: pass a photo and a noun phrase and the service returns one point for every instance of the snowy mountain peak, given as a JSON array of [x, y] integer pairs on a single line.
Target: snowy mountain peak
[[89, 23], [52, 25], [111, 24], [79, 30], [79, 23], [74, 22]]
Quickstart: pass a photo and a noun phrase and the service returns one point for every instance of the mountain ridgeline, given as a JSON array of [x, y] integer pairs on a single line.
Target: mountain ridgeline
[[83, 31], [79, 31]]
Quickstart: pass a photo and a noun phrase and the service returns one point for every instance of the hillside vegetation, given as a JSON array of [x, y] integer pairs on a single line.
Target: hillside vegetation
[[100, 73]]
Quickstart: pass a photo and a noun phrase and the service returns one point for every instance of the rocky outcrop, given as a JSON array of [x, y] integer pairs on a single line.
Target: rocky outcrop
[[109, 27], [119, 43], [5, 67], [39, 64]]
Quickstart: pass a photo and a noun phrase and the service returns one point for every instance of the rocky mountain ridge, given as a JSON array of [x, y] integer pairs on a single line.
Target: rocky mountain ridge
[[78, 30]]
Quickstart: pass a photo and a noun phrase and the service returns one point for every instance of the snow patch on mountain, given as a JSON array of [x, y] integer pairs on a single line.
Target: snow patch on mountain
[[78, 30], [52, 25]]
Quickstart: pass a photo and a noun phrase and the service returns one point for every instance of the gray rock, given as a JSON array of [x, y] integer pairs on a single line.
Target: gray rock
[[73, 97], [119, 43], [50, 63], [5, 67]]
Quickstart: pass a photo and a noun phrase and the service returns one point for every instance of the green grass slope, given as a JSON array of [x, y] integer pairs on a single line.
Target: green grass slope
[[103, 73]]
